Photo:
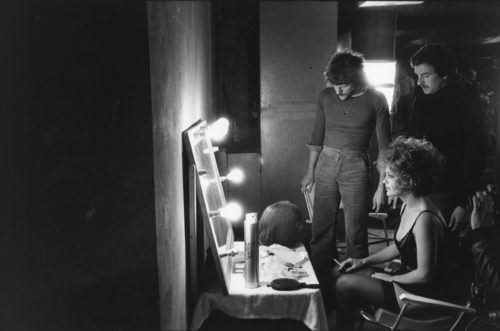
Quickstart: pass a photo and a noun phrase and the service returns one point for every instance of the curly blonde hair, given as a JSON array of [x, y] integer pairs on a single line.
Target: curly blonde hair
[[417, 162]]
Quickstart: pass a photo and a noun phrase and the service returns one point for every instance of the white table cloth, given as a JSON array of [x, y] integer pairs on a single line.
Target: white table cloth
[[263, 302]]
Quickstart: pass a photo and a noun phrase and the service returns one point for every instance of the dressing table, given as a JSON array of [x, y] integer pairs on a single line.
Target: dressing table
[[228, 292]]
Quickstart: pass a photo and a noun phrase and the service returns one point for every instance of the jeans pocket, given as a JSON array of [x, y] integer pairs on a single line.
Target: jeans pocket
[[325, 168], [355, 168]]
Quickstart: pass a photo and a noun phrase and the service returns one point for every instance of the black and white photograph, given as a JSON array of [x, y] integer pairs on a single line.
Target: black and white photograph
[[249, 165]]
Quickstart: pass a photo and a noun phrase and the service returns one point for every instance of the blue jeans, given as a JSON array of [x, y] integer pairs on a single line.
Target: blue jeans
[[339, 174]]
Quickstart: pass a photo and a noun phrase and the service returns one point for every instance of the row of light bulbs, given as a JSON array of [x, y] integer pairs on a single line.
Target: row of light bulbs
[[216, 132]]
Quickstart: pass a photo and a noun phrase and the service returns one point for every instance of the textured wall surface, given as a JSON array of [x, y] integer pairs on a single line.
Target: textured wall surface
[[180, 60], [297, 40]]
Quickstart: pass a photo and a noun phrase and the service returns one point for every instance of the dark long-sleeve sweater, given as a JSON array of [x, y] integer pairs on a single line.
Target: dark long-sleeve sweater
[[452, 120]]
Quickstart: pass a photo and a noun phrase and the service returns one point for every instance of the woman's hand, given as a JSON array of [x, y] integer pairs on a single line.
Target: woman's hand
[[382, 276], [351, 265]]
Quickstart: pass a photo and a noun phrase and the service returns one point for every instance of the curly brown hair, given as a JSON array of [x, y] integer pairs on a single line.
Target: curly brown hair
[[417, 162], [345, 67]]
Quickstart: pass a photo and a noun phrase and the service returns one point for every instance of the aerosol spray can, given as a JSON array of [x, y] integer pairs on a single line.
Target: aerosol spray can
[[251, 229]]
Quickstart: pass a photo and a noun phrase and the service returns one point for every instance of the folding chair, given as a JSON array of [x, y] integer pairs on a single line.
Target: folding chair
[[422, 313], [428, 314]]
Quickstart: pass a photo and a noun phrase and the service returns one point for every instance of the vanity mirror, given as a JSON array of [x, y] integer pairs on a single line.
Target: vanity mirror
[[217, 213]]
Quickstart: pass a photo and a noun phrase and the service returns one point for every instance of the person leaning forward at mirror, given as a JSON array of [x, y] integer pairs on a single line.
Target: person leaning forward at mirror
[[348, 112], [450, 117]]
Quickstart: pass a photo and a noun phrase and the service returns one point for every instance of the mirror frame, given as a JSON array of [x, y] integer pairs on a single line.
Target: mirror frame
[[211, 196]]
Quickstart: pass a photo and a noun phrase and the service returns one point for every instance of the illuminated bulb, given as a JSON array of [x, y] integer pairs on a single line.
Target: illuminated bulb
[[231, 211], [236, 176], [218, 130]]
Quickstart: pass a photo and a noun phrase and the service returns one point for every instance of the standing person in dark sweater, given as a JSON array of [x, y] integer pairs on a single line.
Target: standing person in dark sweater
[[450, 117], [347, 115]]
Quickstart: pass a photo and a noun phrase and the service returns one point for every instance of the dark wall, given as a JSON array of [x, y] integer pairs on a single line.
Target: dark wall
[[237, 72], [297, 40], [374, 33], [77, 201]]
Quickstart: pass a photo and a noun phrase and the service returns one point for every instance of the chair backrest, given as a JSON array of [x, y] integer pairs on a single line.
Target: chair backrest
[[420, 313], [436, 323]]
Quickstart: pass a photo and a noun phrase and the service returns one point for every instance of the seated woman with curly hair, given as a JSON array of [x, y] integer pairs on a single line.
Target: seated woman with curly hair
[[422, 239]]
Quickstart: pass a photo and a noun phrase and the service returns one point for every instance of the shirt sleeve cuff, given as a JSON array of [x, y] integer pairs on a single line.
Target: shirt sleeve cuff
[[314, 148]]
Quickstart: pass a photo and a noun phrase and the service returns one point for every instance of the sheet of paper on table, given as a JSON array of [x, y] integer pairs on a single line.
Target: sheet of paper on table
[[291, 256], [277, 261]]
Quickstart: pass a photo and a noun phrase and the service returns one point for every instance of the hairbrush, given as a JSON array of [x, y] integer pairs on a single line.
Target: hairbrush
[[289, 284]]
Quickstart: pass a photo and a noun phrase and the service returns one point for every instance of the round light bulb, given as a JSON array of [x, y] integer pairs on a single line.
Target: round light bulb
[[218, 130], [236, 175], [231, 211]]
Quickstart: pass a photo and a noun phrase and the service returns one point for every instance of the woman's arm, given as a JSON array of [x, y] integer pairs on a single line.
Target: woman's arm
[[389, 253], [427, 232]]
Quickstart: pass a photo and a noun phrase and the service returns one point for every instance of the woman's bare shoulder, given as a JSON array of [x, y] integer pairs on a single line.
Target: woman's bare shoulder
[[429, 219]]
